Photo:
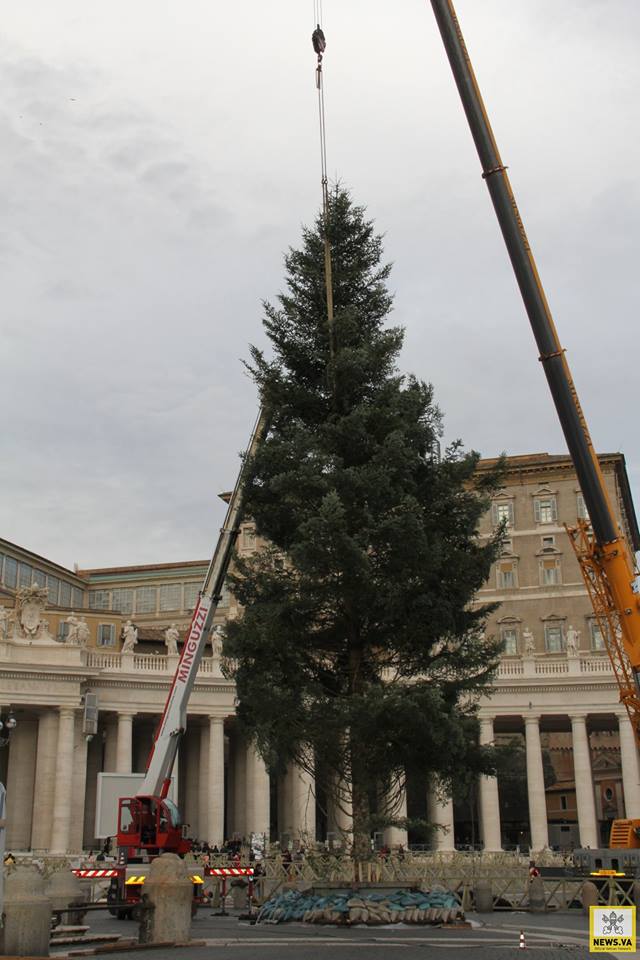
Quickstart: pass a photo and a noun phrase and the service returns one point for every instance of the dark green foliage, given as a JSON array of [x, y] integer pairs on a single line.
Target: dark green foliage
[[360, 643]]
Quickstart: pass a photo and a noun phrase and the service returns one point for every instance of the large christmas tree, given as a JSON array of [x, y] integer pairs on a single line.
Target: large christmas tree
[[361, 650]]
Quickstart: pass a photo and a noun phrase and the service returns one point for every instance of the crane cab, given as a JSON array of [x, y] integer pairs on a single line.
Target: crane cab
[[149, 826]]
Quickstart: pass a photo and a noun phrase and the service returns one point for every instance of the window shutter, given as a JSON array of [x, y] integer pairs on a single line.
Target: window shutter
[[494, 514], [536, 510], [554, 508]]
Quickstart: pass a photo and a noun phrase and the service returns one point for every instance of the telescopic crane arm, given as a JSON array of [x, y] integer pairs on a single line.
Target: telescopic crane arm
[[174, 719], [149, 823], [606, 560]]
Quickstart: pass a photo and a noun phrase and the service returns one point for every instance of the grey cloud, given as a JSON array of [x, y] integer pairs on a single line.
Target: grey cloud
[[142, 224]]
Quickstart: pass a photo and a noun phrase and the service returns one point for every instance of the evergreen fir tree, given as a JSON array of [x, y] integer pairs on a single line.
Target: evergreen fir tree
[[361, 650]]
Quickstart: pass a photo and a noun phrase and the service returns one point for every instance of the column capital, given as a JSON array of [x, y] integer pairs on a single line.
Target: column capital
[[127, 714], [531, 718], [214, 718], [486, 720], [67, 712], [580, 717]]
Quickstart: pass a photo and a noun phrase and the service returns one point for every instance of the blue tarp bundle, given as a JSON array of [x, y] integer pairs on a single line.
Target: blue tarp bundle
[[372, 907]]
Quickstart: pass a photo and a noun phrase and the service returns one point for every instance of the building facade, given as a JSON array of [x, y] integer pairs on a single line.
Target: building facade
[[61, 636]]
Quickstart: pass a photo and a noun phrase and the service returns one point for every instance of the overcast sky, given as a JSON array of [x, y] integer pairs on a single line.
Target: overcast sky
[[159, 157]]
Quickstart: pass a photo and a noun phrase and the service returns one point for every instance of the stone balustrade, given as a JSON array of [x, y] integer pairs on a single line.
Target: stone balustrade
[[547, 666], [144, 663]]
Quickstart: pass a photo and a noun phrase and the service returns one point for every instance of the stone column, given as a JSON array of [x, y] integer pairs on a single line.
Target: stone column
[[239, 808], [489, 798], [535, 784], [397, 836], [76, 835], [64, 782], [303, 804], [124, 753], [585, 800], [341, 816], [630, 774], [441, 813], [216, 781], [46, 781], [204, 786], [258, 793], [20, 784]]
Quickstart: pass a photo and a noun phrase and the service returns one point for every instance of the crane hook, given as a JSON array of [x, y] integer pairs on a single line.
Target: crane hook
[[319, 45]]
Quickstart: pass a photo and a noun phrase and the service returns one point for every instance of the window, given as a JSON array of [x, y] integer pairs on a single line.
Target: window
[[106, 635], [146, 600], [597, 637], [63, 630], [249, 538], [549, 573], [10, 572], [545, 509], [502, 512], [553, 637], [191, 591], [171, 596], [549, 543], [507, 578], [509, 637], [122, 600], [39, 578], [53, 586], [25, 572], [65, 594], [581, 508], [77, 598], [99, 600], [563, 802], [507, 547]]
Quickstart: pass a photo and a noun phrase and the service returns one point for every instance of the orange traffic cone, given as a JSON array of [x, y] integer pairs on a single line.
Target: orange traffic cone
[[523, 942]]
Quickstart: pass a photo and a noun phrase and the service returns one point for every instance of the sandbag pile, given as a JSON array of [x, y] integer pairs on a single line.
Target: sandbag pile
[[373, 908]]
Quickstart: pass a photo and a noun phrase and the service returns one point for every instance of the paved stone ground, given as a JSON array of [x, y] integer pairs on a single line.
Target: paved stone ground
[[492, 937]]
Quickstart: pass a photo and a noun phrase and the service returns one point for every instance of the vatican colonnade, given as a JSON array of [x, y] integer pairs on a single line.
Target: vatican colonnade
[[114, 633], [223, 787]]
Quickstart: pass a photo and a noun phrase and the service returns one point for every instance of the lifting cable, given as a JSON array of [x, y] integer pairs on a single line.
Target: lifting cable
[[319, 45]]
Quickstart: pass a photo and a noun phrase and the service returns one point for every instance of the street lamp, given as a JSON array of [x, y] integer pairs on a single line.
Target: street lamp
[[7, 724]]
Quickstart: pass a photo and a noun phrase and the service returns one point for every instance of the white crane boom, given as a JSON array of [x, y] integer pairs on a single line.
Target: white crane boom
[[174, 719]]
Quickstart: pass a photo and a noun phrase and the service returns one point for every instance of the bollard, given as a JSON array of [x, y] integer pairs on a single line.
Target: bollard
[[65, 890], [536, 895], [166, 913], [27, 915], [589, 896], [483, 896]]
